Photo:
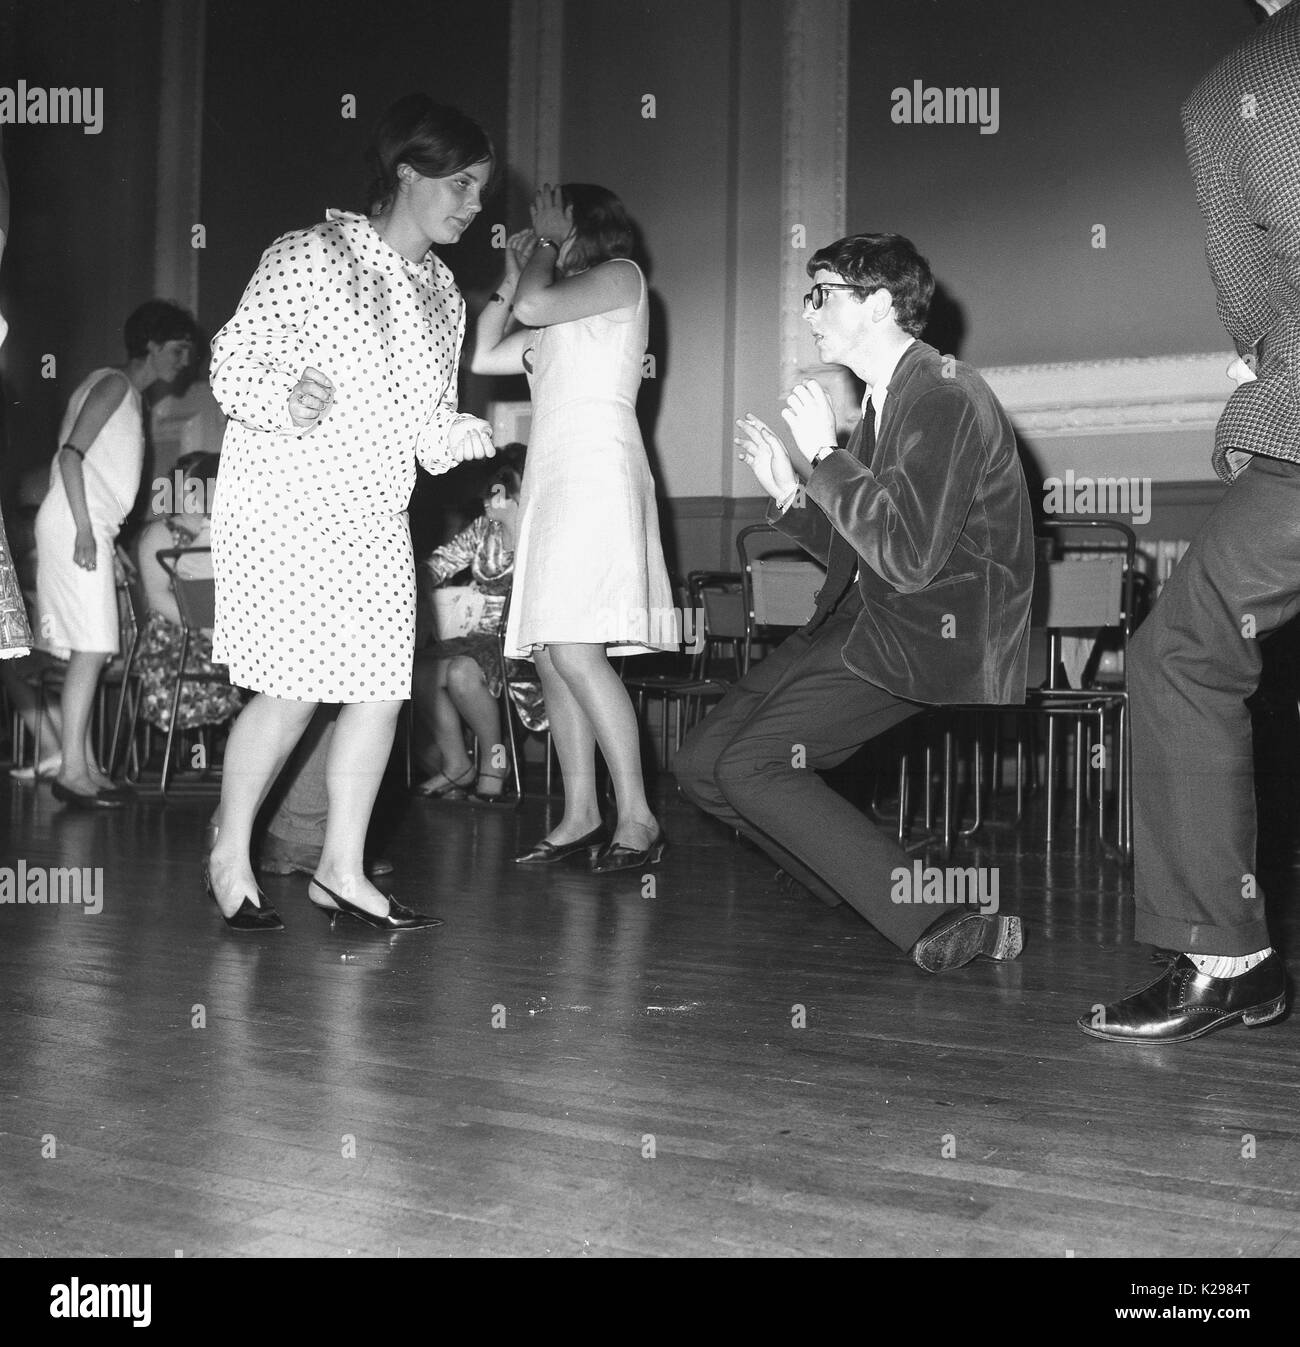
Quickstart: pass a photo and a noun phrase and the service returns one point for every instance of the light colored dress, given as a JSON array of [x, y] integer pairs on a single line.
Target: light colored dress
[[311, 546], [589, 566], [77, 609]]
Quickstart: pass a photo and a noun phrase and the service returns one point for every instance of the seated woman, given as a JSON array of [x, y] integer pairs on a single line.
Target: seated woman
[[160, 641], [457, 681], [20, 676]]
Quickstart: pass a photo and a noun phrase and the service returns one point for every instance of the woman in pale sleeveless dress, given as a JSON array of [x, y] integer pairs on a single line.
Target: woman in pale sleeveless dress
[[93, 484], [590, 579]]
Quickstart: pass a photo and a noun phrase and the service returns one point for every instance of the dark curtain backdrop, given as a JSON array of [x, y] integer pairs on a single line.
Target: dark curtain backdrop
[[277, 151], [80, 255]]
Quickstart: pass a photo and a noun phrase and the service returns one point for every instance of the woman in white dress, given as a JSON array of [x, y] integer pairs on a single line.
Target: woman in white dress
[[93, 484], [338, 373], [590, 579]]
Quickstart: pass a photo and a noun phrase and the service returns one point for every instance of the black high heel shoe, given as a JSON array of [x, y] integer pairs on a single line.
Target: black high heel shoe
[[74, 799], [397, 918], [505, 798], [248, 916], [549, 853], [616, 856], [455, 788]]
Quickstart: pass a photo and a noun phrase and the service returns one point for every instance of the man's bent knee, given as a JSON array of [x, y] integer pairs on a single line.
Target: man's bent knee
[[693, 767]]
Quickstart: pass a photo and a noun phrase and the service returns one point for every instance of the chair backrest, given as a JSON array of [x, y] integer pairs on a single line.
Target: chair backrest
[[1080, 593], [721, 597], [196, 596], [1072, 597], [1089, 593], [783, 590], [780, 583], [718, 616], [130, 600]]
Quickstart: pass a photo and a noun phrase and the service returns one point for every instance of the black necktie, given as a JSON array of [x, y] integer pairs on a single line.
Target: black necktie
[[842, 564]]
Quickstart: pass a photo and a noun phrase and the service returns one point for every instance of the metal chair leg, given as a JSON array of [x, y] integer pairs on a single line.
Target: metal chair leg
[[1051, 781], [903, 781], [929, 788], [512, 746], [176, 702], [949, 789]]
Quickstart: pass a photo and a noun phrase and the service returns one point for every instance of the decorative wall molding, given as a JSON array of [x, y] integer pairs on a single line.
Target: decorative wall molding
[[180, 149], [1097, 397], [1108, 397], [814, 103], [536, 84]]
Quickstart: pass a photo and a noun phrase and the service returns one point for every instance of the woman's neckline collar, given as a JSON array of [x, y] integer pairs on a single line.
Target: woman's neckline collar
[[429, 262]]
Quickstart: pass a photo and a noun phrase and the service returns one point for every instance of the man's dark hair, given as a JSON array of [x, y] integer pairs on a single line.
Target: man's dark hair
[[887, 261]]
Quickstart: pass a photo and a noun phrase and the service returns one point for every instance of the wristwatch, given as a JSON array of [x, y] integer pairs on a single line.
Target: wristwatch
[[820, 454]]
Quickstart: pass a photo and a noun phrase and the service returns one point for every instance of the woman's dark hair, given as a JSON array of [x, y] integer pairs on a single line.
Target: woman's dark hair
[[510, 471], [158, 321], [201, 466], [602, 227], [435, 140], [883, 261]]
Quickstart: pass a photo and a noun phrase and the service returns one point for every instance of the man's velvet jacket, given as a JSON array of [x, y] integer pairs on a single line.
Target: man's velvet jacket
[[940, 524]]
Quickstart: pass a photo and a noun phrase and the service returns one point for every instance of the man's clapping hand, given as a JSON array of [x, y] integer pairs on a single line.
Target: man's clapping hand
[[766, 456], [811, 418]]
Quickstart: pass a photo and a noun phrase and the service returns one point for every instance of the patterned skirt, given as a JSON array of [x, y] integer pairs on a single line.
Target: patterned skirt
[[201, 703]]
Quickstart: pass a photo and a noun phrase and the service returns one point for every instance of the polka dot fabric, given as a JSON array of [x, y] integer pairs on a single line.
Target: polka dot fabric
[[311, 548]]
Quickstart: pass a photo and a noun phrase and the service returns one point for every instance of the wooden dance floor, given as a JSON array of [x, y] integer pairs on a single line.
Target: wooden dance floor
[[576, 1065]]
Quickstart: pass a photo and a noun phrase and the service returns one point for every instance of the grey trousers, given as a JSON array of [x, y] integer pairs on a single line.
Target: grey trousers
[[753, 760], [1193, 664]]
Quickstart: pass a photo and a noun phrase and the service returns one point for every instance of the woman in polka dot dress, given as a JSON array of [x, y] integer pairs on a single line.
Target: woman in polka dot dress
[[338, 373]]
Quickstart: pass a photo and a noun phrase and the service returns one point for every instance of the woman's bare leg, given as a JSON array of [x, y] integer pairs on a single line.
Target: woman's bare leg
[[473, 704], [261, 739], [575, 746], [46, 730], [79, 685], [358, 755], [431, 702], [595, 698]]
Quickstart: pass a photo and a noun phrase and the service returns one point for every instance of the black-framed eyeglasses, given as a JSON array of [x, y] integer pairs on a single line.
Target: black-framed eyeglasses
[[816, 297]]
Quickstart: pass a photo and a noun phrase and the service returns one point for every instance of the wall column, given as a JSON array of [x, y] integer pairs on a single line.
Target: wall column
[[180, 144]]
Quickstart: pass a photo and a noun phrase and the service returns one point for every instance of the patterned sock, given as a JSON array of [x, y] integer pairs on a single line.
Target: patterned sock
[[1228, 965]]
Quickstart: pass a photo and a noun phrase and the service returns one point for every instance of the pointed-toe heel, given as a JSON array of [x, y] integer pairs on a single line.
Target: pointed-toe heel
[[551, 853], [74, 799], [247, 916], [397, 918], [616, 856]]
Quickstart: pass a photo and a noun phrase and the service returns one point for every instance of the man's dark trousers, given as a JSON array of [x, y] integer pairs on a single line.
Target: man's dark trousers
[[802, 705], [1193, 664]]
